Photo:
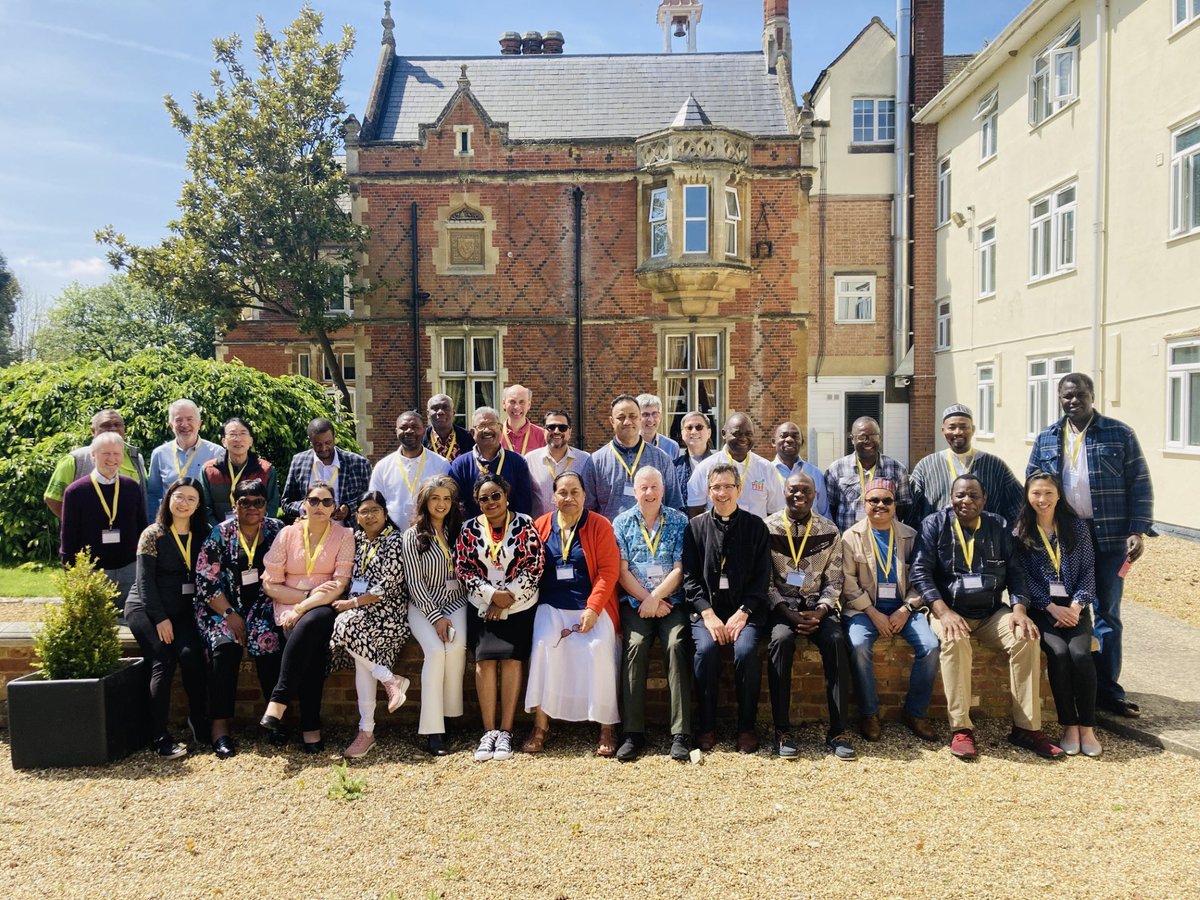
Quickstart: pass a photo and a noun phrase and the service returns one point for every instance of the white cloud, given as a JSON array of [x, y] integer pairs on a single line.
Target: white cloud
[[89, 268], [102, 38]]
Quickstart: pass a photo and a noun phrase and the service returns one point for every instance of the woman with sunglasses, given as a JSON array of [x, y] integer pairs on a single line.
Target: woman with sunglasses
[[1060, 570], [879, 600], [231, 608], [159, 611], [307, 569], [237, 463], [498, 560], [576, 652], [437, 612], [372, 620]]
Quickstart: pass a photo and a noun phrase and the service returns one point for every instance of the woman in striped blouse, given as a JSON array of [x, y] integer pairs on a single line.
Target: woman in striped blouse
[[437, 612]]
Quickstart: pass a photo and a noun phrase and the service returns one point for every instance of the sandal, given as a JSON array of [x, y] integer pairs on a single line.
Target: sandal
[[608, 741], [536, 742]]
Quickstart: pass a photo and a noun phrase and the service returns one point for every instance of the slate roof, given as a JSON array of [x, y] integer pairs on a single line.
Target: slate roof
[[953, 64], [562, 97]]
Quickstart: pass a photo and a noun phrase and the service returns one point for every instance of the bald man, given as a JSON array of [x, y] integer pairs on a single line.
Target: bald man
[[519, 434], [762, 492], [846, 478]]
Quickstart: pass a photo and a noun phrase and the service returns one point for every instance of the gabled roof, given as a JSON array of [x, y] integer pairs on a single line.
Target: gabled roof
[[875, 20], [578, 97]]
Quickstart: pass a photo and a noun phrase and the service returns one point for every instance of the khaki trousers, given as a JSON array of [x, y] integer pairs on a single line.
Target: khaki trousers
[[1024, 658]]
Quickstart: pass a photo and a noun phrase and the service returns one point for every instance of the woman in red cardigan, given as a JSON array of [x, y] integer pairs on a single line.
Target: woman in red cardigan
[[576, 657]]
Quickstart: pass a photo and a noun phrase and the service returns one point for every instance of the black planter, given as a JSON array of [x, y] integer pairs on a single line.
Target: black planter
[[77, 722]]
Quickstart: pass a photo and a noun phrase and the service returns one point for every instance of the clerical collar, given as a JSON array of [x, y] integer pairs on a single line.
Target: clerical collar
[[725, 519], [103, 480]]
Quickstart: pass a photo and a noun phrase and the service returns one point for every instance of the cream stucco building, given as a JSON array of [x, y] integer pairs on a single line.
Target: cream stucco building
[[1068, 234]]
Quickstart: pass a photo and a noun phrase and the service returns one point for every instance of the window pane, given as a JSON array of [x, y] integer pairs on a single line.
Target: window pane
[[707, 400], [303, 365], [695, 201], [886, 110], [731, 238], [1186, 139], [456, 390], [454, 355], [1064, 197], [1191, 191], [485, 394], [695, 237], [1041, 208], [1062, 366], [677, 352], [1193, 394], [658, 205], [1067, 239], [1185, 356], [988, 234], [732, 210], [985, 373], [676, 401], [658, 239], [1037, 369], [349, 371], [707, 355], [483, 354]]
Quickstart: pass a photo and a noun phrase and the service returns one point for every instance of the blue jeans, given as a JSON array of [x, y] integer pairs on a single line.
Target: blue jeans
[[862, 633], [1108, 626], [747, 675]]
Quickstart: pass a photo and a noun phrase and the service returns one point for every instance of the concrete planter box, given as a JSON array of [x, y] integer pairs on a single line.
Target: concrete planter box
[[77, 722]]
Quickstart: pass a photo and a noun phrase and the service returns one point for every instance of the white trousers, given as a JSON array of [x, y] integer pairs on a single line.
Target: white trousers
[[443, 669], [367, 676]]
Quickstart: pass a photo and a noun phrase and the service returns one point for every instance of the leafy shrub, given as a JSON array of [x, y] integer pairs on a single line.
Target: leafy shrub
[[79, 636]]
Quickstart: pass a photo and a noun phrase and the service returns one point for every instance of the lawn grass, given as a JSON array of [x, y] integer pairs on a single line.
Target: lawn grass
[[27, 580]]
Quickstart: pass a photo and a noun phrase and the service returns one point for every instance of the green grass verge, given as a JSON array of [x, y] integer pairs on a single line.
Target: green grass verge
[[27, 580]]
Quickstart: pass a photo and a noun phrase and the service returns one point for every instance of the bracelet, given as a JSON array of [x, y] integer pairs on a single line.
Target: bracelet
[[356, 603]]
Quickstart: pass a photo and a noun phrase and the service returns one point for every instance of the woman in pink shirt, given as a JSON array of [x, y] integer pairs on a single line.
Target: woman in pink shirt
[[307, 568]]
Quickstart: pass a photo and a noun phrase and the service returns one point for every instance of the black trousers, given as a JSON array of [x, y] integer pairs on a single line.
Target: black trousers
[[302, 665], [226, 662], [830, 639], [185, 652], [1070, 667]]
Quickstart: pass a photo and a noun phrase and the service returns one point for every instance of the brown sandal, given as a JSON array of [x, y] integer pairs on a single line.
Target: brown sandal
[[536, 742], [608, 741]]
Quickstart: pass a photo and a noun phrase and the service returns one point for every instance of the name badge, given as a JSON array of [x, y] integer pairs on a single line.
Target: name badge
[[452, 584], [110, 536], [1058, 589], [230, 516], [654, 570], [887, 592], [795, 579], [188, 588], [358, 586], [628, 490], [249, 576], [565, 572], [973, 582], [723, 584]]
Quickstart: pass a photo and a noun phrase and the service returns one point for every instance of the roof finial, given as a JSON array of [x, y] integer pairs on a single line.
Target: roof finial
[[388, 23], [463, 81]]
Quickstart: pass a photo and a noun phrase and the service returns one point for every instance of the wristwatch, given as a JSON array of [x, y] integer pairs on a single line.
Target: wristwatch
[[229, 611], [744, 609], [912, 607]]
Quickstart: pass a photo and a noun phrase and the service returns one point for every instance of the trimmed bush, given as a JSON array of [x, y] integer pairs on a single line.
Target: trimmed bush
[[79, 636]]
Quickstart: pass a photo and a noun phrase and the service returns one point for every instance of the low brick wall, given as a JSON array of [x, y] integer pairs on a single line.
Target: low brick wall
[[893, 659]]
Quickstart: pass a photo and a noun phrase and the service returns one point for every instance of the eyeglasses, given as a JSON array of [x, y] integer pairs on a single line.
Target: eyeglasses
[[491, 498], [252, 503], [881, 501], [558, 426], [694, 427], [184, 499], [567, 632], [369, 511], [237, 434], [723, 486], [319, 501]]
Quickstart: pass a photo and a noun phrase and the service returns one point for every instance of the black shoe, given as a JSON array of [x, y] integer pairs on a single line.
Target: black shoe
[[435, 745], [631, 747], [840, 747], [681, 748], [168, 749], [1123, 708], [313, 747], [223, 747], [274, 728], [785, 745]]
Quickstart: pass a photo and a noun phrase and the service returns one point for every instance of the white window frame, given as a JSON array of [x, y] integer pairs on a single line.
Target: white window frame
[[1183, 12], [985, 399], [879, 120], [470, 376], [304, 364], [347, 357], [1042, 375], [1054, 81], [1183, 380], [733, 219], [463, 135], [693, 376], [859, 306], [657, 215], [346, 306], [1052, 233], [988, 116], [1185, 180], [687, 189], [943, 191], [987, 260], [943, 325]]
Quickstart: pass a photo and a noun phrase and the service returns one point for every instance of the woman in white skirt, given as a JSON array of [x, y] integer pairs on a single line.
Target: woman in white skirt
[[576, 657], [437, 612]]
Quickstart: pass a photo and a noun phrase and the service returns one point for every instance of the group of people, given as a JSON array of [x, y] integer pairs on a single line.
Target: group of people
[[559, 569]]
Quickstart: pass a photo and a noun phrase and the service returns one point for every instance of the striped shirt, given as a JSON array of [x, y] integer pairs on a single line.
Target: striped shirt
[[426, 575], [930, 482]]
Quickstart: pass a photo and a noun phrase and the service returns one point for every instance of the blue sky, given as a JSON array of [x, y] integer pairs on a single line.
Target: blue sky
[[88, 143]]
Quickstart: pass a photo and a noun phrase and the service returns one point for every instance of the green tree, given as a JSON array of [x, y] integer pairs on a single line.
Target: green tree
[[10, 293], [262, 223], [118, 320]]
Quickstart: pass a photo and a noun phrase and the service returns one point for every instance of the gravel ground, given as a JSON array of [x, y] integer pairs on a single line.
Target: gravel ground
[[1167, 578], [18, 610], [904, 820]]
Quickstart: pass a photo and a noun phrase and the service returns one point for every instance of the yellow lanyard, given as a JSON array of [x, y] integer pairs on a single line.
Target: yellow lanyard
[[437, 536], [797, 555], [1054, 552], [968, 547], [185, 553], [566, 538], [403, 474], [864, 477], [310, 556], [372, 549], [742, 469], [250, 549], [1073, 454], [493, 547], [111, 513], [234, 479], [652, 544], [549, 461], [630, 471], [480, 464], [951, 456], [336, 471], [886, 568], [179, 470], [448, 453]]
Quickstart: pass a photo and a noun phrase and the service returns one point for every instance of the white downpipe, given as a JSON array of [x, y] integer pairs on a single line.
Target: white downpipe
[[901, 225], [1101, 200]]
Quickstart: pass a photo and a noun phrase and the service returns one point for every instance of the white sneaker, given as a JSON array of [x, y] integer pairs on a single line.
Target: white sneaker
[[504, 748], [487, 746]]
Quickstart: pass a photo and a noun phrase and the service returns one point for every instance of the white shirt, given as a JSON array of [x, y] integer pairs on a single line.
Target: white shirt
[[762, 491], [543, 470], [399, 477], [1075, 477], [329, 474]]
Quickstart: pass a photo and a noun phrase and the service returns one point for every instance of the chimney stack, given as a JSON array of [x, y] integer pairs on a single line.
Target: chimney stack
[[531, 43], [510, 44], [777, 32], [552, 42]]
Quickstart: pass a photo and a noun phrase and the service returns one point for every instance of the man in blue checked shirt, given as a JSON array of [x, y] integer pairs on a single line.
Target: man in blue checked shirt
[[1107, 482], [650, 537]]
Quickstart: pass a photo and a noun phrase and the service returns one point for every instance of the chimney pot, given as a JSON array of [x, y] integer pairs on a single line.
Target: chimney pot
[[552, 42], [531, 43], [510, 44]]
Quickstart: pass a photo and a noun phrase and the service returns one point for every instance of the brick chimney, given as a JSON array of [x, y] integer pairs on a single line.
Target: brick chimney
[[777, 32], [510, 44], [531, 43], [552, 42]]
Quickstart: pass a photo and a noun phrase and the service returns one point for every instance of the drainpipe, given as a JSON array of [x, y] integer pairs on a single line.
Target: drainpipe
[[577, 197], [901, 203], [417, 296], [1101, 199]]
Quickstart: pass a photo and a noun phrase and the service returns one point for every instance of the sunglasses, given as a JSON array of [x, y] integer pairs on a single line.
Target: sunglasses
[[881, 501], [319, 501], [567, 632], [252, 503], [694, 427], [491, 498], [558, 426]]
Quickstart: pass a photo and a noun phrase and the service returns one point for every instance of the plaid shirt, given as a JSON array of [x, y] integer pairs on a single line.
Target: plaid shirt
[[1118, 478], [354, 473], [844, 490]]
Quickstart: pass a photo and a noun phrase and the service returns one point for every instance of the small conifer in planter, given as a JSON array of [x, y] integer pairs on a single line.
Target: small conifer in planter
[[79, 636]]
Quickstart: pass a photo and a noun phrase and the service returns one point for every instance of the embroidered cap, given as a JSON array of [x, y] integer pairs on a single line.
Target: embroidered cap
[[880, 484], [957, 410]]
